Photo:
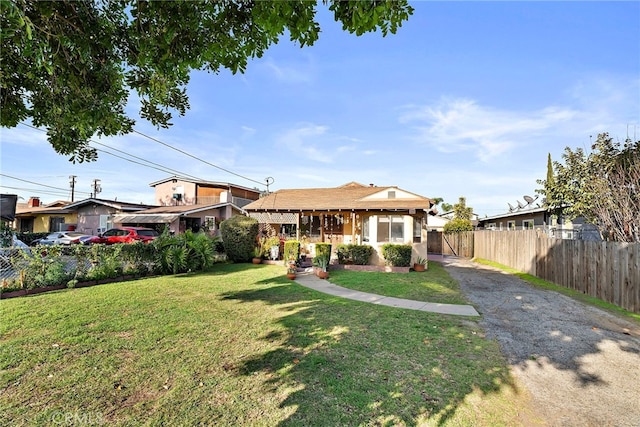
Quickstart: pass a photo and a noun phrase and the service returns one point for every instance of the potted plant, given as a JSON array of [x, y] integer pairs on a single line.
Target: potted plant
[[420, 264], [257, 255], [321, 262], [291, 269]]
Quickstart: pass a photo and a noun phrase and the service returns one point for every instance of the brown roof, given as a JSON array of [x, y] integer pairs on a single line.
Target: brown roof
[[352, 196]]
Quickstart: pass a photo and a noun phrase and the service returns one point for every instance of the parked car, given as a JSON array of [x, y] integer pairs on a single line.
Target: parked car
[[6, 254], [126, 235], [60, 238]]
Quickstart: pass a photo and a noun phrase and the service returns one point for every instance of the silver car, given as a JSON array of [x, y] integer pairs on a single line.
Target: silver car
[[61, 238]]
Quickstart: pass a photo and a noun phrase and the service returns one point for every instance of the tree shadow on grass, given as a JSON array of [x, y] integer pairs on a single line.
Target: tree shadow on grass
[[350, 363]]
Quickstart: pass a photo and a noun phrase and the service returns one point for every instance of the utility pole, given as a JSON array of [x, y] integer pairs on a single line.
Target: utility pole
[[72, 182], [96, 187]]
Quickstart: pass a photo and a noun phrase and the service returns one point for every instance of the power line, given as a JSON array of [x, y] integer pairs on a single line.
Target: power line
[[35, 190], [159, 167], [66, 190], [197, 158]]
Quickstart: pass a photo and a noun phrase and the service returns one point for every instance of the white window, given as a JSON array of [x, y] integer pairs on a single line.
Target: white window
[[527, 224], [365, 229], [511, 225], [491, 226], [210, 223], [391, 228]]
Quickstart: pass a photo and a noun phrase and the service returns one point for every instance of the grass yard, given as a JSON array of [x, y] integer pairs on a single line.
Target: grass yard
[[242, 345], [433, 285]]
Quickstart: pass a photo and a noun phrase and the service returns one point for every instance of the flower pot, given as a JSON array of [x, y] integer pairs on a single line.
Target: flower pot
[[291, 276], [323, 274], [418, 267], [256, 260]]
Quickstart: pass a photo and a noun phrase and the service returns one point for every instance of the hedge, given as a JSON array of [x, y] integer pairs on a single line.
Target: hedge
[[397, 255]]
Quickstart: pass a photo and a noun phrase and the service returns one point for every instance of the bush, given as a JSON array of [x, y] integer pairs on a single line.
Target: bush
[[354, 254], [458, 225], [361, 254], [323, 249], [397, 255], [343, 253], [291, 251], [239, 234]]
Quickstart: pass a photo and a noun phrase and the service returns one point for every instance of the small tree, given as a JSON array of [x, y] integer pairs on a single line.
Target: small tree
[[461, 218]]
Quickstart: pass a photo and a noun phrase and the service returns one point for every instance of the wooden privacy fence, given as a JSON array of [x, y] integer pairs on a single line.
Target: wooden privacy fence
[[458, 244], [606, 270]]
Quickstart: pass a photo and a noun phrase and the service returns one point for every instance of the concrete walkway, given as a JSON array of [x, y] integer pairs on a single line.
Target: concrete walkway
[[310, 280]]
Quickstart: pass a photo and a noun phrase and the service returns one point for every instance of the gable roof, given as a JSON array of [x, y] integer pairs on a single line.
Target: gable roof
[[123, 206], [351, 196]]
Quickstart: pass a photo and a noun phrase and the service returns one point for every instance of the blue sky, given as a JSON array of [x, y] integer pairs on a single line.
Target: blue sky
[[465, 100]]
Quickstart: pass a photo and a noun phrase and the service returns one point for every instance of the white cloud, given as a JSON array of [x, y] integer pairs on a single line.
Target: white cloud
[[306, 141], [455, 125]]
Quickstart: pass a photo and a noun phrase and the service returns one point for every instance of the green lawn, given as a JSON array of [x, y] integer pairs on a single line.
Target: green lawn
[[433, 285], [242, 345]]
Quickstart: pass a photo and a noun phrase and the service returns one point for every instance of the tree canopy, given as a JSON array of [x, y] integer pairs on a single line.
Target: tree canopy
[[603, 186], [70, 65]]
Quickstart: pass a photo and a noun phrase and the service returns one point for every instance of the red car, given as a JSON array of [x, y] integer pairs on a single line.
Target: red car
[[126, 235]]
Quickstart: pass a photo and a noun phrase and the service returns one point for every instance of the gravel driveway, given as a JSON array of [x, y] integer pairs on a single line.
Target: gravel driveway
[[580, 364]]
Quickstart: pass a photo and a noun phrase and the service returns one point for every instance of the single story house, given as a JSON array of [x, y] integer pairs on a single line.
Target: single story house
[[529, 217], [351, 213], [34, 217], [95, 216]]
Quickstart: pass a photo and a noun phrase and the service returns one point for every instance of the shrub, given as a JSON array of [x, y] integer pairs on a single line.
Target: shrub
[[291, 251], [354, 254], [361, 254], [343, 253], [239, 235], [397, 255], [458, 225]]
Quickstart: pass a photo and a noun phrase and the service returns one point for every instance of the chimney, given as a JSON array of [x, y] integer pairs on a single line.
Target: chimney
[[34, 202]]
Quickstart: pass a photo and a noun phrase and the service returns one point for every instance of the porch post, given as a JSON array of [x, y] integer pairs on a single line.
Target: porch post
[[353, 227]]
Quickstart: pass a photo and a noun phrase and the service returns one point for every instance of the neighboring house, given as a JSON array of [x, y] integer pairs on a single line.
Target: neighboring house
[[191, 205], [449, 215], [34, 217], [352, 213], [96, 215], [435, 222], [182, 218], [180, 191], [529, 217]]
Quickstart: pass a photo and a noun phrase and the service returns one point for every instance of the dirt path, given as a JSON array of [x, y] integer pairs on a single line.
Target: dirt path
[[580, 364]]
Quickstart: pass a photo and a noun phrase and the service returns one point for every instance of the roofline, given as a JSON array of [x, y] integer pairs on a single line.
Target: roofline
[[195, 181], [515, 213], [110, 203]]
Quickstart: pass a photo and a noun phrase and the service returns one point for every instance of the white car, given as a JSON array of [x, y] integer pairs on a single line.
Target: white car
[[60, 238]]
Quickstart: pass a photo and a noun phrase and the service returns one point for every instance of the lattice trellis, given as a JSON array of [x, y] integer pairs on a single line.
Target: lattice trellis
[[275, 217]]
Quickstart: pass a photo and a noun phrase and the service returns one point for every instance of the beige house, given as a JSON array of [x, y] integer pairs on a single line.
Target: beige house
[[351, 213]]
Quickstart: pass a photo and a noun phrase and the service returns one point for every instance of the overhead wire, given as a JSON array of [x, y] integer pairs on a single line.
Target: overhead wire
[[42, 185], [156, 166], [197, 158]]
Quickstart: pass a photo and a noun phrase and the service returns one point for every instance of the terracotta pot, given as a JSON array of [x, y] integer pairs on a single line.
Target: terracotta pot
[[291, 276], [256, 260], [418, 267], [323, 274]]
